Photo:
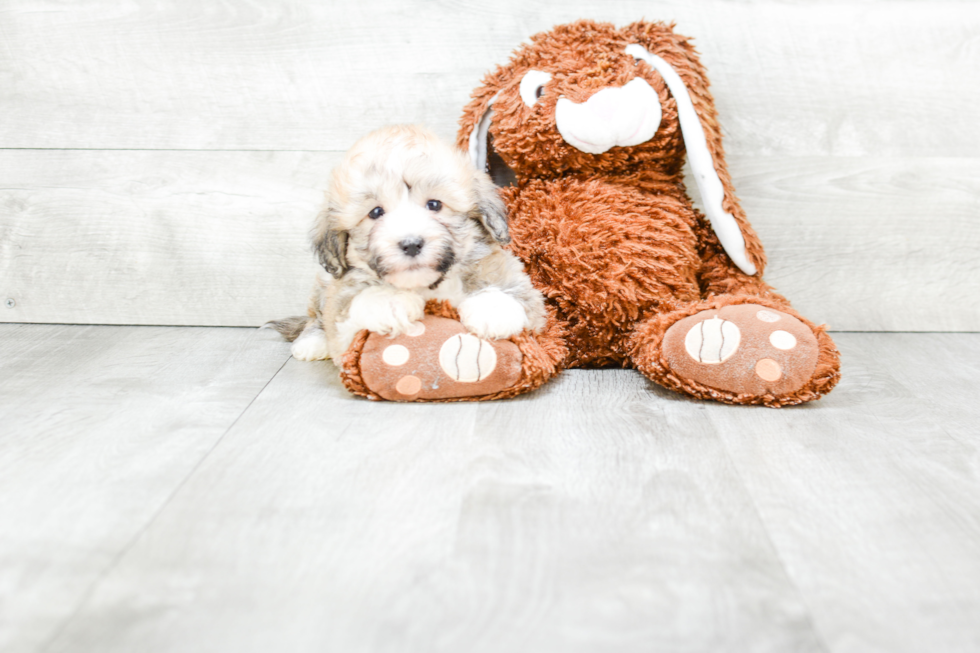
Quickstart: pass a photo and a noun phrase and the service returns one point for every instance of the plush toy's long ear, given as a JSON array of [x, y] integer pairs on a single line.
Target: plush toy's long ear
[[474, 138], [330, 243], [482, 154], [489, 209], [702, 139], [478, 142]]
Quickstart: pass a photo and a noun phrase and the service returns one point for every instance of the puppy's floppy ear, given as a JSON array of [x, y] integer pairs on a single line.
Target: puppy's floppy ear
[[489, 210], [330, 243]]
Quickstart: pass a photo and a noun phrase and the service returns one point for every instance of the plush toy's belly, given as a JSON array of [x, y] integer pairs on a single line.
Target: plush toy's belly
[[605, 255]]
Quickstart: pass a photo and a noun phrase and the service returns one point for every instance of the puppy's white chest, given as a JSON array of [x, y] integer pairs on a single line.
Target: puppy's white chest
[[450, 289]]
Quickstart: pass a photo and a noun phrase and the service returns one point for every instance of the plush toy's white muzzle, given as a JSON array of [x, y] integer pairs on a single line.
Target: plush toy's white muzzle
[[624, 116]]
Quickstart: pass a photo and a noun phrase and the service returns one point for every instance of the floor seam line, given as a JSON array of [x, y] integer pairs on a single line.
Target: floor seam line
[[811, 618], [156, 514]]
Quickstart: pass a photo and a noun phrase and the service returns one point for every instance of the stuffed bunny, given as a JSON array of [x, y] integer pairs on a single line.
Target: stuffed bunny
[[586, 128]]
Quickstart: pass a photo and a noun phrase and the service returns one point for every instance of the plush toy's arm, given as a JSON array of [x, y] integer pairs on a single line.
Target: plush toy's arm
[[720, 276]]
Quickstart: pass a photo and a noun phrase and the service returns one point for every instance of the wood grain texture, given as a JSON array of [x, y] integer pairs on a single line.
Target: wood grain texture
[[849, 127], [592, 515], [791, 78], [943, 377], [599, 513], [210, 238], [872, 495], [870, 244], [98, 427], [220, 238]]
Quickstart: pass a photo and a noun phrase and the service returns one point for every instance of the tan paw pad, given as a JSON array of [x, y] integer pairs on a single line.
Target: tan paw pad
[[408, 386], [768, 370], [746, 349]]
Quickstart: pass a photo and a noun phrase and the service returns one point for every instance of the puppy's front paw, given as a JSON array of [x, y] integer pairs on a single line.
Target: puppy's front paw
[[384, 311], [493, 314]]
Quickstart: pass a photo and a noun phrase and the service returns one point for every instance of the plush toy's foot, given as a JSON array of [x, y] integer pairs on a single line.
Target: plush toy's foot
[[740, 353], [442, 361], [746, 349], [438, 360]]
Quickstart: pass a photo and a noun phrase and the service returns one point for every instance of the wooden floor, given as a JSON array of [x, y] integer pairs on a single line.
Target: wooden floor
[[195, 489]]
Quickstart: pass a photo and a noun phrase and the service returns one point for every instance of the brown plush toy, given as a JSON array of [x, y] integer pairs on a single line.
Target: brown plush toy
[[588, 126]]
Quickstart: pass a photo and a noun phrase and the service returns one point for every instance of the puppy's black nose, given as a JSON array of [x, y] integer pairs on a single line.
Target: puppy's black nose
[[412, 246]]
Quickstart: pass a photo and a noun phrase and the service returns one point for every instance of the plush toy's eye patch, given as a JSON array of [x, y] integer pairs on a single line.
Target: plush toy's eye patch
[[532, 86]]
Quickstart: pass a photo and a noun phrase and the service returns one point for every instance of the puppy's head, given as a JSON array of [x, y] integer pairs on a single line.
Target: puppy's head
[[406, 207]]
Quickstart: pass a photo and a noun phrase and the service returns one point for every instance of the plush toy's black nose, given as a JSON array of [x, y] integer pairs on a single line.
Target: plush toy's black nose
[[412, 246]]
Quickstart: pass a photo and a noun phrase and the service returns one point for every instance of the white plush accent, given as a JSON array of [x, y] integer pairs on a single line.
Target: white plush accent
[[395, 355], [782, 340], [623, 116], [467, 359], [493, 314], [767, 316], [529, 85], [702, 165], [311, 345], [415, 330], [712, 341], [383, 310], [478, 138]]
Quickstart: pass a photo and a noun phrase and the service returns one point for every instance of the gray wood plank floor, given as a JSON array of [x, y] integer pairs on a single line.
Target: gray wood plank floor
[[194, 489]]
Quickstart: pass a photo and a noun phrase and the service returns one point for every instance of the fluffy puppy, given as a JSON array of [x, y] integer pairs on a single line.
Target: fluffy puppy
[[408, 219]]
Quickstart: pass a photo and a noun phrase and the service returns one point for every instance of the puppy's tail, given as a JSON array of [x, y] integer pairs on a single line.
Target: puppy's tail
[[289, 327]]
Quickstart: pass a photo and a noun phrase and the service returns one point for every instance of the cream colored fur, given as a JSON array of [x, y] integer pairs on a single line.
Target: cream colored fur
[[430, 195]]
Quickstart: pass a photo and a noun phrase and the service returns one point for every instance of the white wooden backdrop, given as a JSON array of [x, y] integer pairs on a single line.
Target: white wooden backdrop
[[161, 162]]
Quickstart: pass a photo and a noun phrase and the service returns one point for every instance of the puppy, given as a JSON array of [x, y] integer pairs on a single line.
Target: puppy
[[407, 219]]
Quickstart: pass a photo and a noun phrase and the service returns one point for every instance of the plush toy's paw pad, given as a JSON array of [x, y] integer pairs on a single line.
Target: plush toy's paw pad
[[438, 359], [747, 349]]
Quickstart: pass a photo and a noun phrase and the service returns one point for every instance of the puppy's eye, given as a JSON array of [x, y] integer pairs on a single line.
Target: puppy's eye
[[376, 213], [532, 86], [434, 205]]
